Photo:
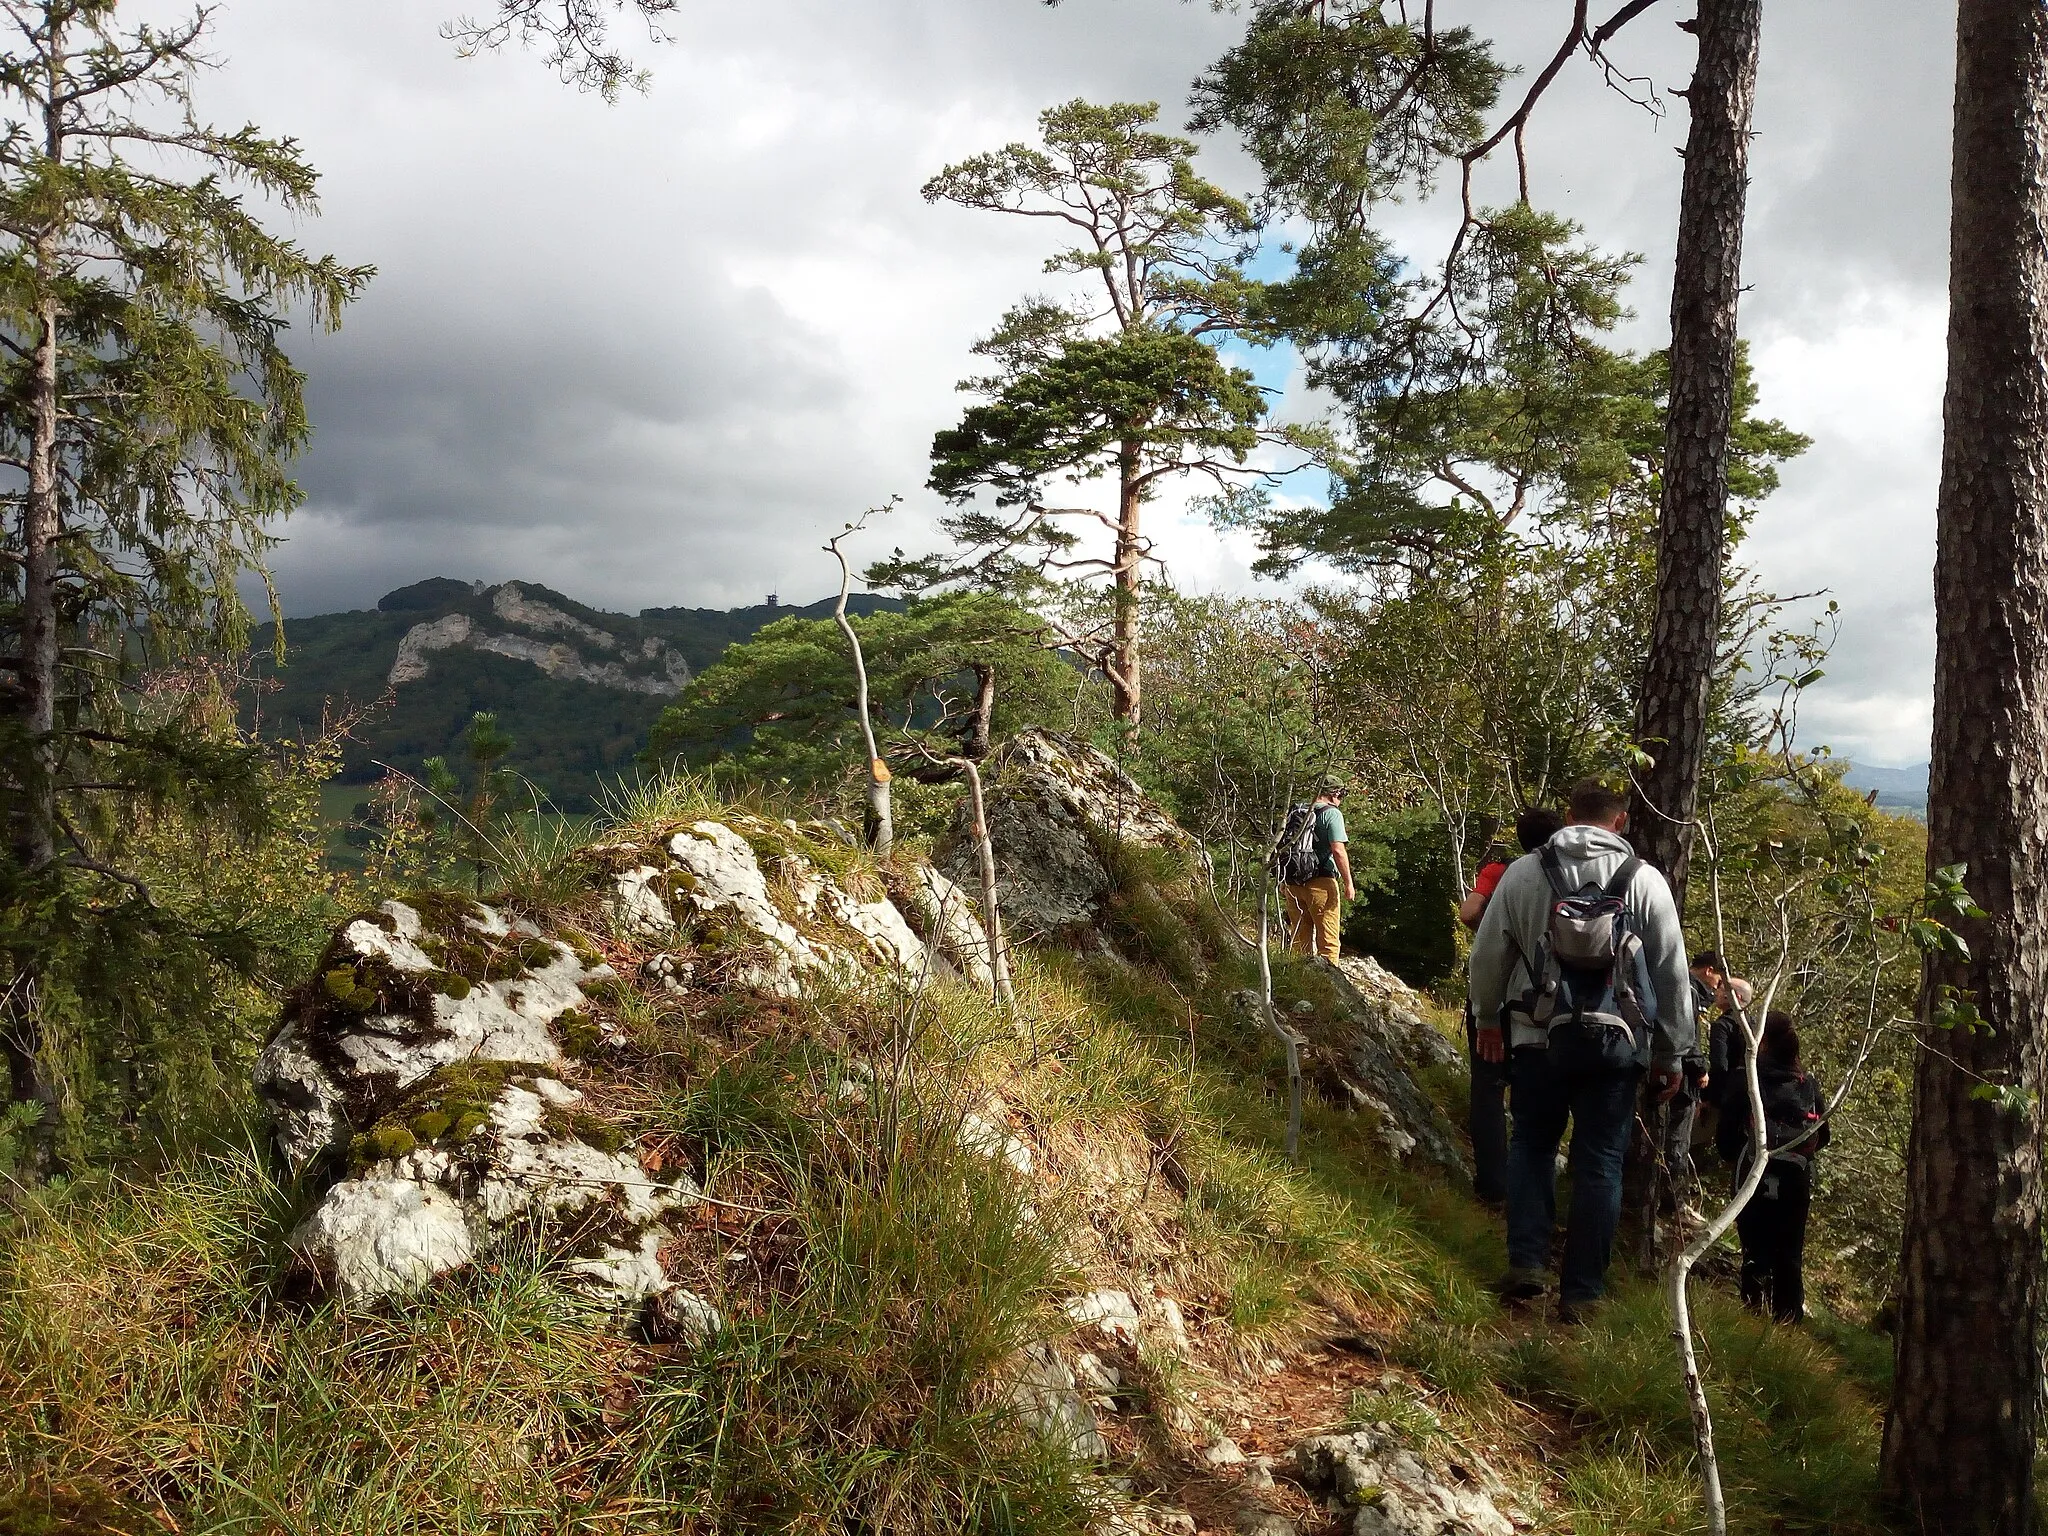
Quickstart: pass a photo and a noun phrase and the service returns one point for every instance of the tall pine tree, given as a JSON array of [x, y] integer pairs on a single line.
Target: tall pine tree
[[1959, 1443]]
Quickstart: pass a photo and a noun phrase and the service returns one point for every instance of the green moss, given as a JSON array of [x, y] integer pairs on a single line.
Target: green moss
[[383, 1142], [535, 954], [596, 1132], [343, 987], [468, 1125], [451, 984], [579, 1033], [432, 1125], [603, 989], [443, 911]]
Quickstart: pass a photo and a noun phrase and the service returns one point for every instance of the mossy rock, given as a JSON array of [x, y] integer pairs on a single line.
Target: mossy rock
[[432, 1125], [444, 911], [537, 954], [384, 1142], [451, 984], [594, 1131]]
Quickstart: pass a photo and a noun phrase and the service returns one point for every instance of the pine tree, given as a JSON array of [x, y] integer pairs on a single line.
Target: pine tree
[[1959, 1444], [147, 414], [1124, 384]]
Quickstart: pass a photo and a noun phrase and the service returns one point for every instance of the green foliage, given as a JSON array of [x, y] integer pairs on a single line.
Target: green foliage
[[469, 818], [1406, 915], [780, 707], [1241, 720], [1125, 383], [153, 415]]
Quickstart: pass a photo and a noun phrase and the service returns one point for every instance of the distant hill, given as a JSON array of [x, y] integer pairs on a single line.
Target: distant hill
[[1897, 788], [577, 688]]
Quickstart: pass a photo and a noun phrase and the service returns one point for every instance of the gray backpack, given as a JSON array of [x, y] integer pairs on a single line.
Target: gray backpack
[[1590, 971]]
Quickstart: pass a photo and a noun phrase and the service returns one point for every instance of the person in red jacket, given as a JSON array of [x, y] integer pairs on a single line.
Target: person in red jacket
[[1487, 1109]]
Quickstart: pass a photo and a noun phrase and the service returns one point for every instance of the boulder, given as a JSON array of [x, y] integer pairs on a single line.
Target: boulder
[[428, 1069], [771, 926], [1390, 1489], [1059, 811]]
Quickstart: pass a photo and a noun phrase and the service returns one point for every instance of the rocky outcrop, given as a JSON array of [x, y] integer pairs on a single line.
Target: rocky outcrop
[[426, 1065], [650, 668], [1388, 1491], [1382, 1047], [1061, 815], [430, 1069]]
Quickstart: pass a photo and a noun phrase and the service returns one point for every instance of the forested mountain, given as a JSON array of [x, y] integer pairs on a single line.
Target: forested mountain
[[575, 687]]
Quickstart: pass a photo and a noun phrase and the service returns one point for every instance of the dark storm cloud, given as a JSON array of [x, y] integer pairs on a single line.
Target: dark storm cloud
[[653, 353]]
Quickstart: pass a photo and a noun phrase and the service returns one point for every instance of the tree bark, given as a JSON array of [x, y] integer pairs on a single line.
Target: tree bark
[[1671, 714], [1125, 660], [1959, 1440]]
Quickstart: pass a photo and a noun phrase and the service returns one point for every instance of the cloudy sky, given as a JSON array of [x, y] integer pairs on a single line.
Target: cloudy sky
[[653, 353]]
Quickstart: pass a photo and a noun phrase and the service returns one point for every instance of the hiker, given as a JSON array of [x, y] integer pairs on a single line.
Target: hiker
[[1581, 957], [1700, 1078], [1773, 1225], [1314, 869], [1487, 1106], [1713, 988]]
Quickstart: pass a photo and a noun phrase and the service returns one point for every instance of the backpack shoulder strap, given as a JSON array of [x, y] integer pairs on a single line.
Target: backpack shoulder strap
[[1553, 871], [1616, 888]]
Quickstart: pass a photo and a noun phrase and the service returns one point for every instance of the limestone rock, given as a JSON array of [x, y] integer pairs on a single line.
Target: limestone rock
[[1380, 1042], [1055, 808], [383, 1013], [1112, 1313], [417, 1215], [1394, 1493], [386, 1233], [947, 919], [1045, 1395]]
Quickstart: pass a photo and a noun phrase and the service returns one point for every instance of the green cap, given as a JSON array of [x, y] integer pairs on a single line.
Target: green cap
[[1332, 785]]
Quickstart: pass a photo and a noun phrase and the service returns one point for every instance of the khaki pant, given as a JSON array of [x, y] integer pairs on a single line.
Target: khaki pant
[[1315, 917]]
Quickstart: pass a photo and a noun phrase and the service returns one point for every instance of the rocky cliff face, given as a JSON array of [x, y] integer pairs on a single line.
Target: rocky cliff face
[[561, 645]]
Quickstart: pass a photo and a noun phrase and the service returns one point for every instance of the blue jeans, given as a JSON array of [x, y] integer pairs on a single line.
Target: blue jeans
[[1600, 1105], [1487, 1117]]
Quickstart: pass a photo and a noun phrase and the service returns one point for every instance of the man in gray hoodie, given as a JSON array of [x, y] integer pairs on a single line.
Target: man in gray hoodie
[[1596, 1096]]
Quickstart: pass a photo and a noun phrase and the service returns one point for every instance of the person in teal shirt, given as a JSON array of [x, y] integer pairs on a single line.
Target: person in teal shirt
[[1315, 908]]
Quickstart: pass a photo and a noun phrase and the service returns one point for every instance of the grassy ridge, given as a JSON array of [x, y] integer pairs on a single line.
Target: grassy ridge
[[160, 1369]]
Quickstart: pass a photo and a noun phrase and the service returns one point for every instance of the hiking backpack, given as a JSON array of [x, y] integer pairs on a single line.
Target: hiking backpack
[[1792, 1122], [1295, 859], [1590, 969]]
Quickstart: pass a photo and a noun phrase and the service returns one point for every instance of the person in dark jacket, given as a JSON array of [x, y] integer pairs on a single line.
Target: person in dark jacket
[[1773, 1225], [1487, 1108]]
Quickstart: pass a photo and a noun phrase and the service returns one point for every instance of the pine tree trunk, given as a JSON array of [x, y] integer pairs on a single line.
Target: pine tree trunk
[[1126, 660], [1671, 716], [1959, 1441]]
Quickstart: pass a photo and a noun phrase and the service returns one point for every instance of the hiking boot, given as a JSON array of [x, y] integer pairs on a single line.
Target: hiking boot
[[1574, 1314], [1521, 1285]]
